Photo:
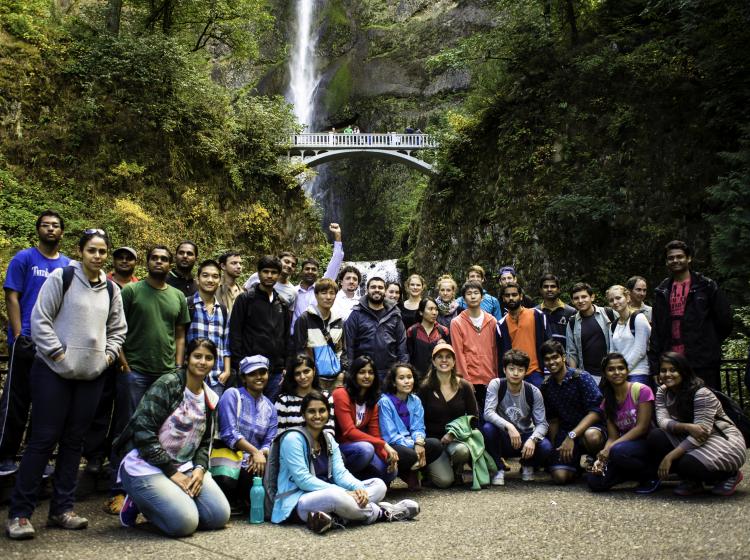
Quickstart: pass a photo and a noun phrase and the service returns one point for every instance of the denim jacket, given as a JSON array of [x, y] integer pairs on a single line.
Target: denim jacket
[[573, 346]]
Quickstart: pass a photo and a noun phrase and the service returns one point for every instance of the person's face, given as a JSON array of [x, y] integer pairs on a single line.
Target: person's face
[[256, 381], [94, 254], [288, 265], [303, 376], [200, 362], [669, 376], [158, 263], [376, 292], [506, 277], [512, 298], [209, 279], [365, 377], [268, 277], [555, 363], [316, 415], [404, 381], [393, 293], [616, 372], [446, 291], [515, 373], [309, 273], [415, 287], [325, 299], [639, 292], [678, 261], [444, 361], [618, 301], [233, 267], [474, 276], [582, 301], [124, 263], [473, 298], [550, 290], [430, 312], [185, 257], [49, 230], [350, 282]]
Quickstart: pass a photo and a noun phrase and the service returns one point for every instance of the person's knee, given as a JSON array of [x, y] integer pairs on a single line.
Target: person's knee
[[593, 439], [180, 523], [376, 489], [461, 455]]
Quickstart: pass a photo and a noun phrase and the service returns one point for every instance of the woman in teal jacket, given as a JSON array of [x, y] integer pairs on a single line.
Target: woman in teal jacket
[[401, 417], [313, 484]]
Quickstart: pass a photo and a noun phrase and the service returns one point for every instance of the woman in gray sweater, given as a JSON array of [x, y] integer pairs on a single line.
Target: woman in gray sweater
[[78, 327]]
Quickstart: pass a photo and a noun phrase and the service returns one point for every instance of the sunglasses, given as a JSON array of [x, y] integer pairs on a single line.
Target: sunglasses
[[94, 231]]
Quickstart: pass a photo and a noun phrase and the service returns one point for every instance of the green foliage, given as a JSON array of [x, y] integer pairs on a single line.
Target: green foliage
[[26, 19]]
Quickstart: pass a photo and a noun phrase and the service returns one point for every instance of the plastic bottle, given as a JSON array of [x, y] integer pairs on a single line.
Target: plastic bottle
[[257, 501]]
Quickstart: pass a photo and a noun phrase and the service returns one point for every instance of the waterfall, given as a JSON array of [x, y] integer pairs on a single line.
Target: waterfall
[[303, 71]]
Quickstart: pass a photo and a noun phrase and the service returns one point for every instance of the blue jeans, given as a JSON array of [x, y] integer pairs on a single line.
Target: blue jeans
[[61, 413], [497, 443], [628, 460], [175, 513], [360, 458], [641, 378], [273, 388], [536, 378], [137, 384]]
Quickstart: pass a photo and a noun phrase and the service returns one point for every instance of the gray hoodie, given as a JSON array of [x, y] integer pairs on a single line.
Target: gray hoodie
[[85, 326]]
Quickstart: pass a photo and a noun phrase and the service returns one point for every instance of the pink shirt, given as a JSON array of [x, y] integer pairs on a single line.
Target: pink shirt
[[677, 300], [627, 411]]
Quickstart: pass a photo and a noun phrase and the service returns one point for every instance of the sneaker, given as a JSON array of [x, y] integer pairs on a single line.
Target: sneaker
[[648, 486], [7, 468], [319, 522], [398, 484], [400, 511], [49, 470], [587, 462], [94, 466], [19, 528], [728, 486], [129, 512], [68, 520], [527, 473], [505, 465], [688, 488], [113, 505], [499, 478]]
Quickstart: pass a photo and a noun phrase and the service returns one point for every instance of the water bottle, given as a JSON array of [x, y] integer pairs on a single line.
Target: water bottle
[[257, 501]]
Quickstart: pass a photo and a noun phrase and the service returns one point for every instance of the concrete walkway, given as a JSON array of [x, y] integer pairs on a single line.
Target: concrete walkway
[[518, 521]]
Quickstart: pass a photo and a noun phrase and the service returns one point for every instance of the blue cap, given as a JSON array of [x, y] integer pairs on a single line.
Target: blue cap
[[507, 269], [253, 363]]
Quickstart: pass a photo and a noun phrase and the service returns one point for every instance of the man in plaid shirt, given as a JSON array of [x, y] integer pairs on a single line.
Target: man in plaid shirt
[[210, 319]]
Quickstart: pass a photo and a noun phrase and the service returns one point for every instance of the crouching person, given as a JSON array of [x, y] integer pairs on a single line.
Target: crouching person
[[313, 485], [515, 421], [169, 436]]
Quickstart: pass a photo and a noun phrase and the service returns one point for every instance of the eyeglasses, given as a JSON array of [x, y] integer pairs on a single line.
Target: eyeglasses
[[94, 231]]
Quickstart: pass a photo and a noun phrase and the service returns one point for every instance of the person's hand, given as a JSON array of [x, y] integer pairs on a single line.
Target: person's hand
[[527, 452], [603, 455], [335, 229], [360, 496], [110, 359], [392, 458], [421, 455], [224, 377], [698, 431], [447, 438], [196, 482], [257, 463], [181, 480], [664, 467], [515, 437], [566, 450]]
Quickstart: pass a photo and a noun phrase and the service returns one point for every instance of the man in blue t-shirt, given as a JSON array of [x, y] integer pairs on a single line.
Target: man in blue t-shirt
[[27, 271]]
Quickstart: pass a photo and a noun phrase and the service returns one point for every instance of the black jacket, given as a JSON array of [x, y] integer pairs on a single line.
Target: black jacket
[[705, 325], [259, 326]]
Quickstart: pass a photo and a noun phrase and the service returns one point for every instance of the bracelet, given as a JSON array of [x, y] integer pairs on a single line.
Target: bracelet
[[200, 467]]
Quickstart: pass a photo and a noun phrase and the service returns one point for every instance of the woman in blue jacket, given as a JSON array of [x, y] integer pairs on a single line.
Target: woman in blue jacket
[[313, 484], [402, 423]]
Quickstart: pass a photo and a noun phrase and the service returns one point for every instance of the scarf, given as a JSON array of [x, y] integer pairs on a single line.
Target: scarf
[[446, 308]]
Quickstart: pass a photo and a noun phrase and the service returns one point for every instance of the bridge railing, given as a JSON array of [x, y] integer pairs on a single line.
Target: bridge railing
[[391, 140]]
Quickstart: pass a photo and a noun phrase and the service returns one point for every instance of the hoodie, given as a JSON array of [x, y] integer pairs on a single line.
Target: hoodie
[[84, 325], [476, 351]]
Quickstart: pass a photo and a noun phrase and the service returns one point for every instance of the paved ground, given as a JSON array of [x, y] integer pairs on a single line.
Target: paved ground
[[522, 520]]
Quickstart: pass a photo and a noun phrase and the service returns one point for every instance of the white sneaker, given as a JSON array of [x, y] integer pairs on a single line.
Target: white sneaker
[[527, 473], [499, 478], [400, 511]]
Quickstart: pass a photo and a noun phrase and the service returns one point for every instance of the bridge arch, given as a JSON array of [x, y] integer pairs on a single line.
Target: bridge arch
[[408, 160]]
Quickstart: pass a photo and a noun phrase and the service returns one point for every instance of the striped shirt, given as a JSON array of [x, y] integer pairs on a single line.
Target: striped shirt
[[214, 327], [289, 410]]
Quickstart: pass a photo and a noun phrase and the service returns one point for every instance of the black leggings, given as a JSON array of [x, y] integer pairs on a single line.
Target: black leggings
[[687, 466], [407, 457]]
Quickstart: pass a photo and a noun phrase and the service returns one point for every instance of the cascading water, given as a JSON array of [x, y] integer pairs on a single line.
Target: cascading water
[[303, 68]]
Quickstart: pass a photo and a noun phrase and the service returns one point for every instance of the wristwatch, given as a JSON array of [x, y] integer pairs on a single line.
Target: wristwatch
[[572, 435]]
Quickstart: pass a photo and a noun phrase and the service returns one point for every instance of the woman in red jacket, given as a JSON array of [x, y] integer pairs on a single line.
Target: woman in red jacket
[[357, 424]]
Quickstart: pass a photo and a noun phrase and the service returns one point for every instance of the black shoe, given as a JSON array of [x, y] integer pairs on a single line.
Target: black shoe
[[94, 466], [319, 522]]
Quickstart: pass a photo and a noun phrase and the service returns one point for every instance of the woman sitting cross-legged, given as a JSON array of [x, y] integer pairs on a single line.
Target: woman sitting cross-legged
[[628, 409], [401, 417], [357, 426], [169, 435], [695, 437], [314, 486]]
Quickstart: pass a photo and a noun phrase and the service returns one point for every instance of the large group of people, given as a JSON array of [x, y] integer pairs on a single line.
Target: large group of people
[[193, 386]]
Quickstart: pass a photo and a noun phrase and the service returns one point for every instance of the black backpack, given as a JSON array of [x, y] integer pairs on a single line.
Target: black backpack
[[631, 322], [67, 278], [527, 390]]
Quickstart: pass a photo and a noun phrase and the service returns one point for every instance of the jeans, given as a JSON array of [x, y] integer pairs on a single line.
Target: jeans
[[16, 399], [62, 411], [98, 440], [337, 500], [137, 383], [407, 457], [536, 378], [497, 443], [628, 460], [273, 388], [641, 378], [360, 458], [443, 470], [175, 513], [480, 392]]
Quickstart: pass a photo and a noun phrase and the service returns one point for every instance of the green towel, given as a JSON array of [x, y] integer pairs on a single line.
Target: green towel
[[482, 465]]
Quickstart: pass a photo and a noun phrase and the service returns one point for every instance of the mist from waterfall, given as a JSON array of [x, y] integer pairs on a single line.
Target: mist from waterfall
[[303, 68]]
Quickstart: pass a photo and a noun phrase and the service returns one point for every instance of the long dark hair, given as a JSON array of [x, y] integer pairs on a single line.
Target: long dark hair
[[198, 342], [685, 393], [610, 400], [351, 386], [289, 384], [389, 381], [423, 305]]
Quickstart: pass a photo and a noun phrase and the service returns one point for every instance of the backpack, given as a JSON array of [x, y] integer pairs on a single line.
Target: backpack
[[527, 390], [631, 322], [271, 474], [67, 278]]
